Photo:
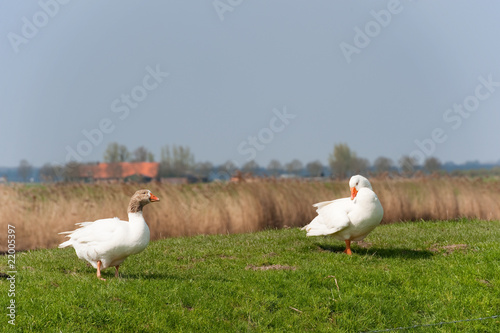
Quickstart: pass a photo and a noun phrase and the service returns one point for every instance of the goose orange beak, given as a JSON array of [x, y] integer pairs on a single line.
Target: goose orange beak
[[354, 192], [153, 198]]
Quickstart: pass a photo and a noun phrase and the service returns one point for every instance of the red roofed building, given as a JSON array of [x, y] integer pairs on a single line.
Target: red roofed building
[[132, 171]]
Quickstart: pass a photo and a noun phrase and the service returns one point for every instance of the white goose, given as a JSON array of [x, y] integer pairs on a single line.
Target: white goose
[[348, 219], [108, 242]]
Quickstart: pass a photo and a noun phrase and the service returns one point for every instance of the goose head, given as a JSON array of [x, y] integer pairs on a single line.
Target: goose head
[[358, 182], [140, 199]]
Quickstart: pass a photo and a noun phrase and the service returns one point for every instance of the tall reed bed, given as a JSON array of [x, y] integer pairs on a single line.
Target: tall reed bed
[[39, 212]]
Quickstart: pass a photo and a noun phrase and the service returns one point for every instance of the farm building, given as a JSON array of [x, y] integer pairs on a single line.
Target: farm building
[[121, 171]]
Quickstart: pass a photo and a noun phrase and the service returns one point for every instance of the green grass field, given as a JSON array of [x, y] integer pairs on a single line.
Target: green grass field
[[277, 280]]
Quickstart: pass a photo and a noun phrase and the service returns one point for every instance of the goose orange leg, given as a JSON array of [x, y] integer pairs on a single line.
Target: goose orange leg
[[99, 263], [348, 247], [116, 270]]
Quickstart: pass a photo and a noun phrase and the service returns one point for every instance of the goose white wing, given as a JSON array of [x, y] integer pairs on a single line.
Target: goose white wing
[[95, 233], [333, 216], [94, 239], [322, 204]]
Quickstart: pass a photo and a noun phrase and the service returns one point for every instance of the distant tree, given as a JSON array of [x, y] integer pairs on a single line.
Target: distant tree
[[116, 153], [176, 162], [432, 164], [229, 167], [24, 170], [50, 173], [408, 165], [141, 154], [203, 169], [360, 165], [344, 162], [114, 170], [315, 168], [71, 172], [124, 154], [226, 170], [112, 153], [294, 167], [250, 166], [383, 164], [274, 167], [183, 160], [341, 160]]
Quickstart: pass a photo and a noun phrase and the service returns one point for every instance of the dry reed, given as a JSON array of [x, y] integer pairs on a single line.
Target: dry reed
[[39, 212]]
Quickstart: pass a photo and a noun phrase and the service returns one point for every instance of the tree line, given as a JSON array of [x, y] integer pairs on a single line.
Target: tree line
[[179, 161]]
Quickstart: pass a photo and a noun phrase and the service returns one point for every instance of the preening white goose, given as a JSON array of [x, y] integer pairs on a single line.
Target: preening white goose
[[108, 242], [348, 219]]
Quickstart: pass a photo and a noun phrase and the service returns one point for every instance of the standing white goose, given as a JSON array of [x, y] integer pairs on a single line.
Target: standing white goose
[[348, 219], [108, 242]]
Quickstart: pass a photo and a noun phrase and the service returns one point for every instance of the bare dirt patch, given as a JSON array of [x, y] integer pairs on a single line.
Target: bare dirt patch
[[448, 249], [485, 282], [227, 257], [270, 267], [364, 244]]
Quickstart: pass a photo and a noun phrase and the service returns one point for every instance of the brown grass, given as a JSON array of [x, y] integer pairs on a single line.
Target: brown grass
[[39, 212]]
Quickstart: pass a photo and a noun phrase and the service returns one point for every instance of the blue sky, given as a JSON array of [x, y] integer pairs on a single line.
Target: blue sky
[[236, 80]]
